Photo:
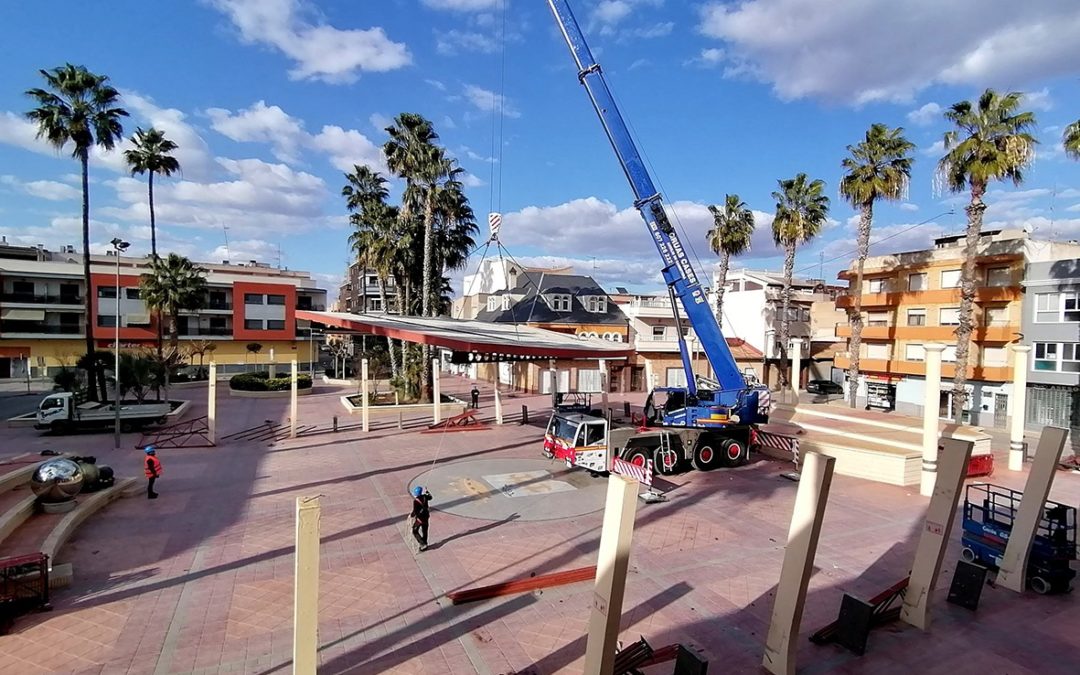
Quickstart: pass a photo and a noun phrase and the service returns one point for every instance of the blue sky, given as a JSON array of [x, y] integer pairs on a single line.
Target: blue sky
[[270, 100]]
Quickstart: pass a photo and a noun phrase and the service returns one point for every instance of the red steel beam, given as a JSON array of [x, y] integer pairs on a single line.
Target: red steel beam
[[523, 585]]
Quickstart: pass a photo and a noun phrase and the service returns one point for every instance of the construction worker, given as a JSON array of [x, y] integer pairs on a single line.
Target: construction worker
[[419, 516], [475, 393], [152, 467]]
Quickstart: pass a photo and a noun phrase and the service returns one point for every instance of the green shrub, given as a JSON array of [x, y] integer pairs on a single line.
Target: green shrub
[[261, 374], [252, 382]]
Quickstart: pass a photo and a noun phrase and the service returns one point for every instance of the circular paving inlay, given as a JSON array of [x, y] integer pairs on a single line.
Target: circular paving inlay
[[518, 489]]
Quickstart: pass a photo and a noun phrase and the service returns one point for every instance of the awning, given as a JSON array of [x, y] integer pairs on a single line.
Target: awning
[[137, 319], [501, 340], [23, 315]]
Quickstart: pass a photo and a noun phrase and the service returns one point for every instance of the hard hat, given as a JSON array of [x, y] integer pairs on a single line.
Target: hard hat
[[149, 450], [417, 491]]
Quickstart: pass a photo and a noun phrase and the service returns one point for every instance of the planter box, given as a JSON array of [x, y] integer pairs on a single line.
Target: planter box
[[268, 394], [448, 408]]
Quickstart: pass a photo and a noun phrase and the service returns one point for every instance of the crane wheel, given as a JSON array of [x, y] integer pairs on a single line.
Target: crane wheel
[[666, 463], [967, 555], [706, 458], [1039, 585], [734, 452], [638, 457]]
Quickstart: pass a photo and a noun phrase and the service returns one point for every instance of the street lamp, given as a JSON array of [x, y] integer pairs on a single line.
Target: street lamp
[[119, 246]]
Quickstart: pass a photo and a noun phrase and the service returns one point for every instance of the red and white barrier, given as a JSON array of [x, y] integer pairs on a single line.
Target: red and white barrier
[[642, 474], [779, 442]]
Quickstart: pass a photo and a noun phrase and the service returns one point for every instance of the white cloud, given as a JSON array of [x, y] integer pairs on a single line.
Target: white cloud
[[488, 101], [936, 149], [18, 131], [192, 152], [712, 56], [1038, 100], [463, 5], [379, 121], [346, 147], [437, 84], [908, 206], [43, 189], [469, 180], [863, 52], [453, 41], [926, 115], [320, 51]]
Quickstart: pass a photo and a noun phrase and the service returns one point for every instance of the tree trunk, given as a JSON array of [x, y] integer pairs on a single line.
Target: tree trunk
[[92, 371], [725, 260], [153, 254], [785, 323], [425, 301], [389, 341], [362, 261], [968, 284], [855, 319]]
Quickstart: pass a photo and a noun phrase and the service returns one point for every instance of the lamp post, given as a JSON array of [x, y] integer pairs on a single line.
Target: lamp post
[[119, 246]]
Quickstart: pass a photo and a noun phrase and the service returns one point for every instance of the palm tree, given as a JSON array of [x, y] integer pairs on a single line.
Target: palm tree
[[79, 107], [362, 186], [878, 168], [730, 235], [991, 141], [151, 155], [455, 229], [1071, 140], [801, 210], [173, 284]]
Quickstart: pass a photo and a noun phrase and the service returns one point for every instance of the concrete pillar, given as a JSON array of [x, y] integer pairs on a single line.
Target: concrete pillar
[[1019, 407], [364, 405], [931, 402], [604, 383], [611, 565], [554, 381], [649, 376], [498, 405], [294, 394], [272, 368], [211, 405], [934, 538], [770, 344], [815, 479], [306, 587], [1012, 572], [796, 363], [436, 394]]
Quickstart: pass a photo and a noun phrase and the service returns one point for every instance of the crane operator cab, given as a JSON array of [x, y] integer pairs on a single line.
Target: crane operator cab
[[675, 407]]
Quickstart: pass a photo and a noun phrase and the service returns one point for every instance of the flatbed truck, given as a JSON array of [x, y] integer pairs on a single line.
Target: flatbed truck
[[63, 413]]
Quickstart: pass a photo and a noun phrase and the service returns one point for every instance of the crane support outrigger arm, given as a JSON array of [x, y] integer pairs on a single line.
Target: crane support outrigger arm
[[678, 272]]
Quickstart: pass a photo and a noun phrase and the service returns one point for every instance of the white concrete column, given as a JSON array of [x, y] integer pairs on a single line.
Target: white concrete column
[[498, 405], [1012, 572], [649, 384], [1019, 407], [294, 390], [770, 344], [934, 537], [815, 479], [796, 363], [611, 565], [272, 368], [211, 405], [603, 384], [306, 587], [554, 380], [364, 406], [436, 394], [931, 403]]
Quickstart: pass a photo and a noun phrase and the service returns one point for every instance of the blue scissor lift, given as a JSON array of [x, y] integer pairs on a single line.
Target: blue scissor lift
[[989, 512]]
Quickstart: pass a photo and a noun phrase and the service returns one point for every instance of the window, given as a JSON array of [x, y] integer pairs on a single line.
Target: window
[[106, 321], [131, 293], [914, 353], [275, 324], [998, 276], [995, 356], [658, 332], [996, 316], [22, 287], [917, 281], [1057, 307], [878, 285], [877, 319], [1070, 357], [916, 317], [948, 355], [374, 305], [949, 316], [253, 298], [751, 286], [106, 291], [877, 350], [950, 278], [505, 302], [217, 323], [559, 302], [804, 315], [596, 304], [1072, 310], [1057, 356], [275, 299], [253, 324], [492, 303]]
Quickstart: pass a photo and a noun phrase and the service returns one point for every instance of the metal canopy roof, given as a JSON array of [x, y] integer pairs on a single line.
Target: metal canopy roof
[[507, 341]]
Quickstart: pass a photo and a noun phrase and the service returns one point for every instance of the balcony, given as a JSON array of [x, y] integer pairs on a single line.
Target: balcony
[[996, 333], [225, 305], [310, 307], [948, 370], [205, 331], [35, 299], [11, 328], [939, 296]]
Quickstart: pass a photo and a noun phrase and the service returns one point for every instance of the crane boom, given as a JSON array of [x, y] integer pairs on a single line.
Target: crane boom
[[678, 272]]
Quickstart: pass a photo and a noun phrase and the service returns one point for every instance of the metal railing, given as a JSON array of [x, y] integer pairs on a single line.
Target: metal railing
[[32, 327], [34, 298]]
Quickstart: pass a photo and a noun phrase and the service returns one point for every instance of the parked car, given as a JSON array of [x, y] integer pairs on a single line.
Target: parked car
[[824, 387]]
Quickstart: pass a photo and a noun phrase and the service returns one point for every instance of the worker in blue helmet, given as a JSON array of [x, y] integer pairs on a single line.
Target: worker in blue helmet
[[420, 516], [152, 469]]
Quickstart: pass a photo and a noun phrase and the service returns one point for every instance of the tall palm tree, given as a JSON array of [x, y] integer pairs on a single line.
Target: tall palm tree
[[362, 186], [81, 108], [991, 141], [1071, 140], [172, 285], [879, 167], [801, 210], [730, 235], [454, 232], [150, 155]]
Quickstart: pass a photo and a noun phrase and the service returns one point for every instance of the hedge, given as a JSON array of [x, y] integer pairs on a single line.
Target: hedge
[[263, 382]]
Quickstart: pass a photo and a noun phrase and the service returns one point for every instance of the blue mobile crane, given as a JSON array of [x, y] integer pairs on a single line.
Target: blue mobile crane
[[725, 407]]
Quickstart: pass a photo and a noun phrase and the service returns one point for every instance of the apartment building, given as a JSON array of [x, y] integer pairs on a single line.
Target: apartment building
[[360, 293], [910, 299], [43, 313], [496, 278]]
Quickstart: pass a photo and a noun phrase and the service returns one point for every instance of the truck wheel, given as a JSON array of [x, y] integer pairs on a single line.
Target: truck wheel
[[662, 467], [58, 427], [126, 427], [1040, 585], [638, 457], [734, 452], [967, 555], [705, 457]]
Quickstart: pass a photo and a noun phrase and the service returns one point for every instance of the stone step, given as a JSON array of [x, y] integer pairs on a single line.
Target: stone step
[[888, 438], [861, 458]]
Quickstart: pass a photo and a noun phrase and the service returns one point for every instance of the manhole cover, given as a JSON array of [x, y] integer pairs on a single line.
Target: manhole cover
[[495, 489]]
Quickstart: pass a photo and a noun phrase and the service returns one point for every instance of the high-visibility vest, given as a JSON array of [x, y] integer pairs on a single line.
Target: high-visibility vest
[[152, 466]]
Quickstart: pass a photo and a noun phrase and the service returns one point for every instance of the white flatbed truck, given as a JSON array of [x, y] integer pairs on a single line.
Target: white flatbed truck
[[62, 413]]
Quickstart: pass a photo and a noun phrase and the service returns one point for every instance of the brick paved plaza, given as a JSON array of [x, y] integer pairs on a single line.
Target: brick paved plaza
[[200, 580]]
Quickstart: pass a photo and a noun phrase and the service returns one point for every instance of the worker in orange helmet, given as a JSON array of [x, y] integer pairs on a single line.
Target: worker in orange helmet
[[152, 467]]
